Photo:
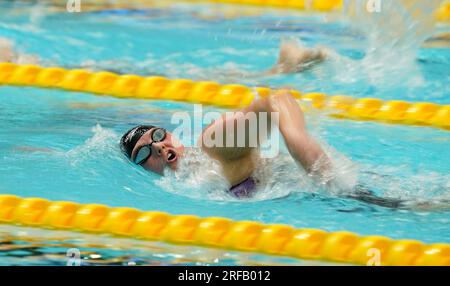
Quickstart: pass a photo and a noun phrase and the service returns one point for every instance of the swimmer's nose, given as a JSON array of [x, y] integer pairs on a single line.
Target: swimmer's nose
[[159, 148]]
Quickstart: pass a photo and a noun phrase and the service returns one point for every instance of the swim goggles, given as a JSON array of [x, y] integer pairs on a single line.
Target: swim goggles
[[158, 135]]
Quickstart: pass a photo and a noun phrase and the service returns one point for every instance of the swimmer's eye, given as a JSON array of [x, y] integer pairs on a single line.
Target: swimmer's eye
[[142, 155], [158, 135]]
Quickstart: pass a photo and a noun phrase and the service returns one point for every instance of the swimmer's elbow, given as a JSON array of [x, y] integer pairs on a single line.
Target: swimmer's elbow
[[308, 153]]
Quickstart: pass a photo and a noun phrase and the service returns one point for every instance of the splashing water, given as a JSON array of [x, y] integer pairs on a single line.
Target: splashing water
[[198, 176], [102, 142], [394, 30]]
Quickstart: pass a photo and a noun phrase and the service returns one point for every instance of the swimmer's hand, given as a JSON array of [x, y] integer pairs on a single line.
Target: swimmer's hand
[[294, 58]]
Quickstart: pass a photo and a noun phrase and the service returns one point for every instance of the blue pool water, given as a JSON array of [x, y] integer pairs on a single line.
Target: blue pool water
[[63, 145]]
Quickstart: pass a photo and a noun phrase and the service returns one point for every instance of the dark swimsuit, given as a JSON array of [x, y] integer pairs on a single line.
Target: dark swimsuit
[[247, 188], [367, 196], [244, 189]]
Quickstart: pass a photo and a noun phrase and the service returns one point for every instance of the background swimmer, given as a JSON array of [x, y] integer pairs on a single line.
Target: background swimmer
[[292, 58]]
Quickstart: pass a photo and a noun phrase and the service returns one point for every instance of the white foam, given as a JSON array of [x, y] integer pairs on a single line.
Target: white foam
[[199, 176], [103, 141]]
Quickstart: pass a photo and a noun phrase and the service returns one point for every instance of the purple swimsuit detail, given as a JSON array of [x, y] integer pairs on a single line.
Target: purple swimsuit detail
[[244, 189]]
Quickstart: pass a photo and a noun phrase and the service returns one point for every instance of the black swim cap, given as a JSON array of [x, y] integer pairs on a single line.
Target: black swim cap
[[131, 137]]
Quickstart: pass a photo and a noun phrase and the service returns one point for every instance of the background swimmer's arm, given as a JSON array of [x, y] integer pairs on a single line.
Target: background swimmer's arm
[[294, 58], [302, 147]]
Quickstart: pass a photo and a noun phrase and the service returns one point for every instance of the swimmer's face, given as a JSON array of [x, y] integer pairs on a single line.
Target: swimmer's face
[[164, 153]]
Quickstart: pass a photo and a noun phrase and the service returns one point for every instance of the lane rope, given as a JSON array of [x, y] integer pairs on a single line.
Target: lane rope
[[228, 95], [223, 233], [442, 14]]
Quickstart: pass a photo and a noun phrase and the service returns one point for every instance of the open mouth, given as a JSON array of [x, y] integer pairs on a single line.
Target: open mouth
[[171, 156]]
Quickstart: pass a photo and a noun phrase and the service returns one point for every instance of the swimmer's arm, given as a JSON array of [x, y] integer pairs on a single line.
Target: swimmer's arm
[[295, 58], [292, 58], [302, 147], [232, 153], [238, 163]]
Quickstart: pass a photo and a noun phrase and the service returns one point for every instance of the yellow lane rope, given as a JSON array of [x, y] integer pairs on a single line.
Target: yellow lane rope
[[442, 13], [230, 95], [223, 233], [318, 5]]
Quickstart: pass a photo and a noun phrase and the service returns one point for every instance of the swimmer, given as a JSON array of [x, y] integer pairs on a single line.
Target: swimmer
[[156, 149], [8, 54], [292, 58]]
